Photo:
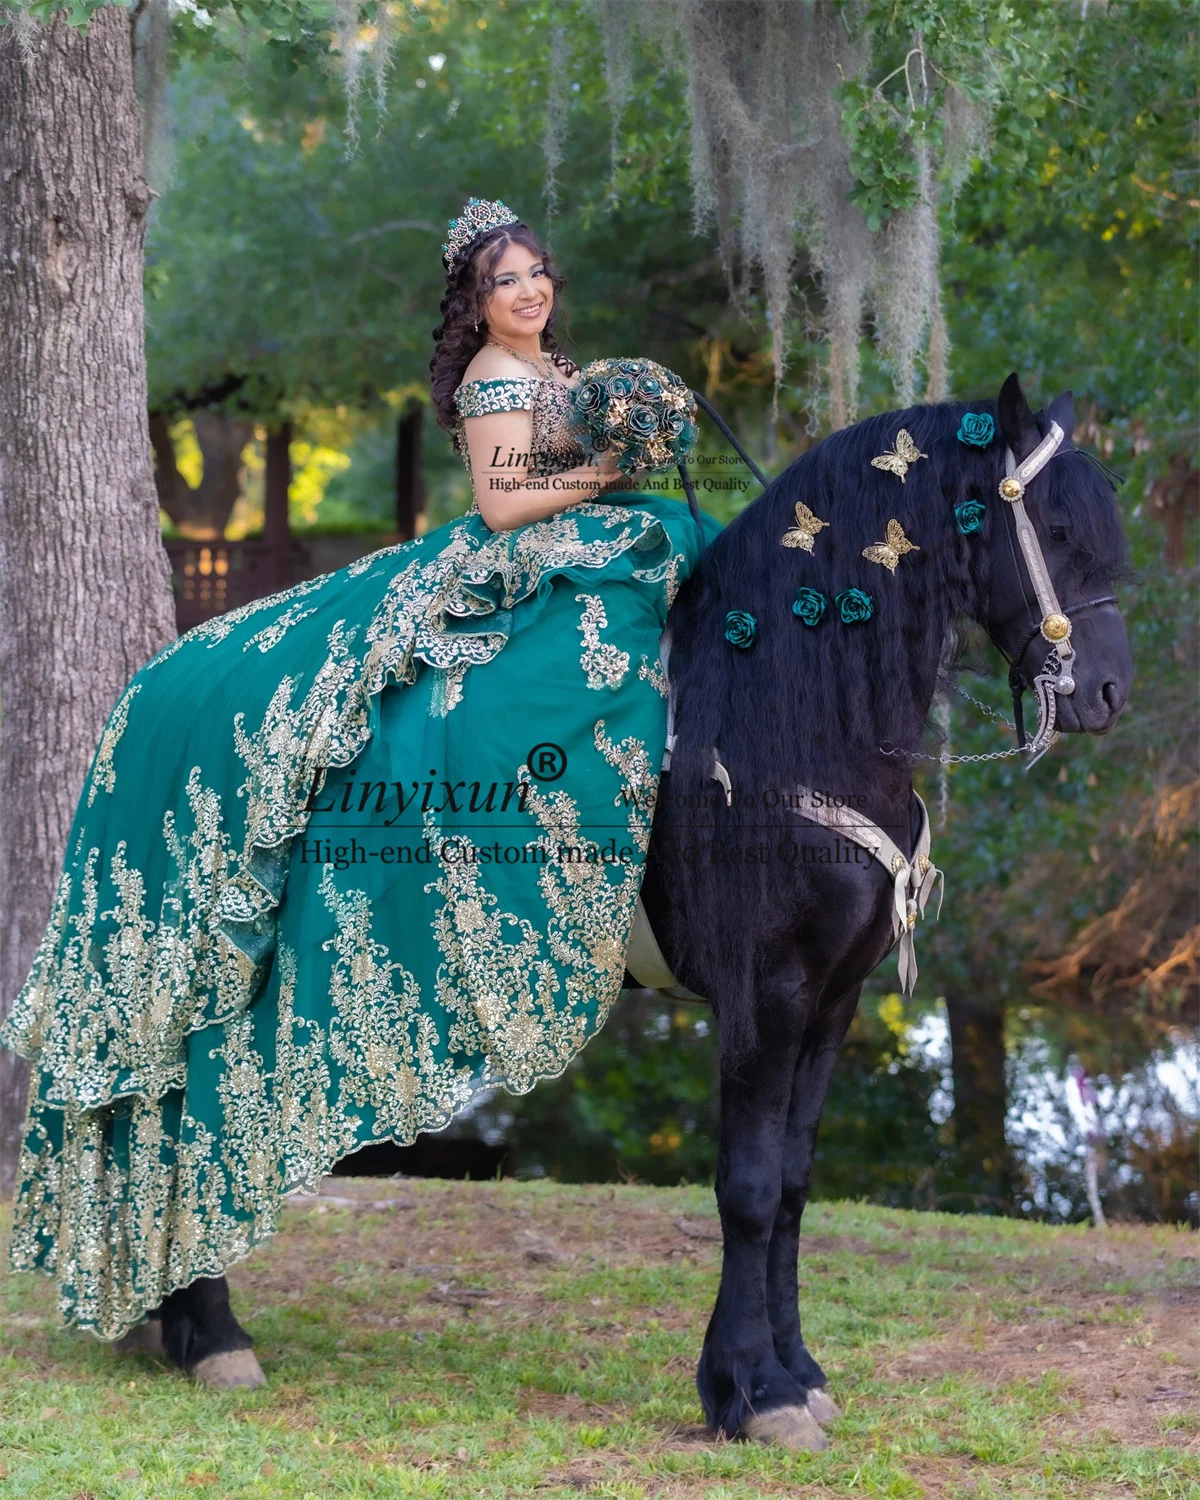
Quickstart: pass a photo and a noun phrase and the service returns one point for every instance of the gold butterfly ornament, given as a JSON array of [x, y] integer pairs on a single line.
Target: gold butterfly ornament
[[890, 552], [804, 533], [906, 452]]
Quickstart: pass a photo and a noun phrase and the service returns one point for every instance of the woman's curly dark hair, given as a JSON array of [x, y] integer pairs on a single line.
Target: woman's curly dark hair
[[469, 282]]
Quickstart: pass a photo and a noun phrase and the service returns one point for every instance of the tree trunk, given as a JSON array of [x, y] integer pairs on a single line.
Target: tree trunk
[[277, 482], [410, 489], [203, 512], [980, 1100], [85, 594]]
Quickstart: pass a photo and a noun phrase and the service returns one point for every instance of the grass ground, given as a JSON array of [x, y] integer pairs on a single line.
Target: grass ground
[[426, 1338]]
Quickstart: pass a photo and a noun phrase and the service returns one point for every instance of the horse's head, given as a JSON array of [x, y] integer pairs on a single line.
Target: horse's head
[[1076, 537]]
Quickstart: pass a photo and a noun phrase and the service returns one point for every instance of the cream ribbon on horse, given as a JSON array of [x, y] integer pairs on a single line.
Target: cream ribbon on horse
[[912, 880]]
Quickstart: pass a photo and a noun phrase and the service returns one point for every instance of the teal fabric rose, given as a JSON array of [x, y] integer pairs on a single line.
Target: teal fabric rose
[[969, 516], [854, 606], [589, 397], [642, 422], [976, 429], [673, 423], [741, 628], [809, 606]]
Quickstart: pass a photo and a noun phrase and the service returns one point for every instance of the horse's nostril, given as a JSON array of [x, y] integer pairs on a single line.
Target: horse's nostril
[[1111, 694]]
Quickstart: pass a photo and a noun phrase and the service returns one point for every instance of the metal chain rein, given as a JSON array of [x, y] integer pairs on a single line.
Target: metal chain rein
[[960, 760]]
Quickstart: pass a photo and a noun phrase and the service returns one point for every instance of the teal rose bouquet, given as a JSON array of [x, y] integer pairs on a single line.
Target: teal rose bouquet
[[638, 410]]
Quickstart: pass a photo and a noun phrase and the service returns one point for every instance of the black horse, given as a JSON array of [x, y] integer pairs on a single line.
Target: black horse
[[781, 943]]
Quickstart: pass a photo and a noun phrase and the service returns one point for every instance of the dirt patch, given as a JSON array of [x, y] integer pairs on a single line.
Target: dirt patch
[[1128, 1376], [565, 1407]]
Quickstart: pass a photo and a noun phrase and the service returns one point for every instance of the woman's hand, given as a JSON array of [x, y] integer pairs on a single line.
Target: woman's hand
[[607, 467], [618, 481]]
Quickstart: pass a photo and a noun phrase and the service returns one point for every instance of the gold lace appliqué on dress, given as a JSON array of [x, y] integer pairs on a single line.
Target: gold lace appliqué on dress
[[111, 995], [653, 673], [604, 665], [104, 777]]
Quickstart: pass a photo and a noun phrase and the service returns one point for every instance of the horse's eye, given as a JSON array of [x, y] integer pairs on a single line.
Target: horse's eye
[[1058, 533]]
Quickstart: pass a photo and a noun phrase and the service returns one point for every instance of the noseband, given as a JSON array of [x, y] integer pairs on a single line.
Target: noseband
[[1054, 626], [1018, 682]]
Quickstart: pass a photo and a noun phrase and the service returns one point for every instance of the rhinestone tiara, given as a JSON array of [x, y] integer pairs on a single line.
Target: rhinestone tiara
[[479, 215]]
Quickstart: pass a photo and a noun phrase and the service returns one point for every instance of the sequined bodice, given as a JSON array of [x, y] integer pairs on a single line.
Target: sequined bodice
[[552, 447]]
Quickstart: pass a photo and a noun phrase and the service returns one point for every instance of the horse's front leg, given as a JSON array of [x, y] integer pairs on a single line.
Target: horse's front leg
[[204, 1338], [818, 1053], [744, 1389]]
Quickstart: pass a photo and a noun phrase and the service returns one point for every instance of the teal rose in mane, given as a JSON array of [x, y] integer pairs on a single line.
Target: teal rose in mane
[[741, 628], [809, 606], [976, 429], [854, 606]]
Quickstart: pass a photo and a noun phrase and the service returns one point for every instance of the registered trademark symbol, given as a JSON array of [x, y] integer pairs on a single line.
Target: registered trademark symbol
[[547, 761]]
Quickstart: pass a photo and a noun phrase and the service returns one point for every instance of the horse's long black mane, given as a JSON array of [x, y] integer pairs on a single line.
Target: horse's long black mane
[[842, 689], [814, 706]]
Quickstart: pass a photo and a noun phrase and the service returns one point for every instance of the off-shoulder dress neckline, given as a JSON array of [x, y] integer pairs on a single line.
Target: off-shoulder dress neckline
[[509, 379]]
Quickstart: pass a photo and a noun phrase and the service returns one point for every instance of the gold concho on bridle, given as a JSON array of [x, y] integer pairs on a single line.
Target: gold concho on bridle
[[1056, 628], [1011, 488]]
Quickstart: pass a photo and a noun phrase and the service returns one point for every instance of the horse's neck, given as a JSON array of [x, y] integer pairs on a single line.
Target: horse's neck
[[885, 779]]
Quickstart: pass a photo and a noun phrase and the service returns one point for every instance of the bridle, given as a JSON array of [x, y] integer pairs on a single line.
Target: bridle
[[1054, 625]]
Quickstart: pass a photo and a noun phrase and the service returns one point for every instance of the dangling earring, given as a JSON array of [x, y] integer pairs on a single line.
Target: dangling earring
[[477, 328]]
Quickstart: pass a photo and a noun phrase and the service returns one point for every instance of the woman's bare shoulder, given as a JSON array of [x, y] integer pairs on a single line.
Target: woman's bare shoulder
[[490, 363]]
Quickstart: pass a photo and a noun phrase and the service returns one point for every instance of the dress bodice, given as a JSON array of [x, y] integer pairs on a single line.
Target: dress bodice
[[552, 448]]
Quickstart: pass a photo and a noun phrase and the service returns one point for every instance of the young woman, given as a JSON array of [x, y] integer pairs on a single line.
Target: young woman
[[352, 853]]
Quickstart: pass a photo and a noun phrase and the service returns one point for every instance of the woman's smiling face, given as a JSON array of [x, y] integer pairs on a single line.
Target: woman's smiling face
[[523, 295]]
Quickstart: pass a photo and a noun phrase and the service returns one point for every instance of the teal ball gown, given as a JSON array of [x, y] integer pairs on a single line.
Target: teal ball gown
[[344, 858]]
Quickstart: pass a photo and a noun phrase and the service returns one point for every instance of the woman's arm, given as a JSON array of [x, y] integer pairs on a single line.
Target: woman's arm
[[499, 444]]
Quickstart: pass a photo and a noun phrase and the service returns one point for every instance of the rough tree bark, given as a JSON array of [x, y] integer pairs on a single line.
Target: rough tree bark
[[980, 1100], [85, 594]]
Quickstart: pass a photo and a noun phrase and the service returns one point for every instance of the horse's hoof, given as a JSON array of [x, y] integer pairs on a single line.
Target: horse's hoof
[[226, 1372], [792, 1426], [823, 1406], [146, 1338]]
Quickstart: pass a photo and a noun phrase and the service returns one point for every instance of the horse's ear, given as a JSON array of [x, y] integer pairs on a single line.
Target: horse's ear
[[1062, 411], [1017, 426]]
